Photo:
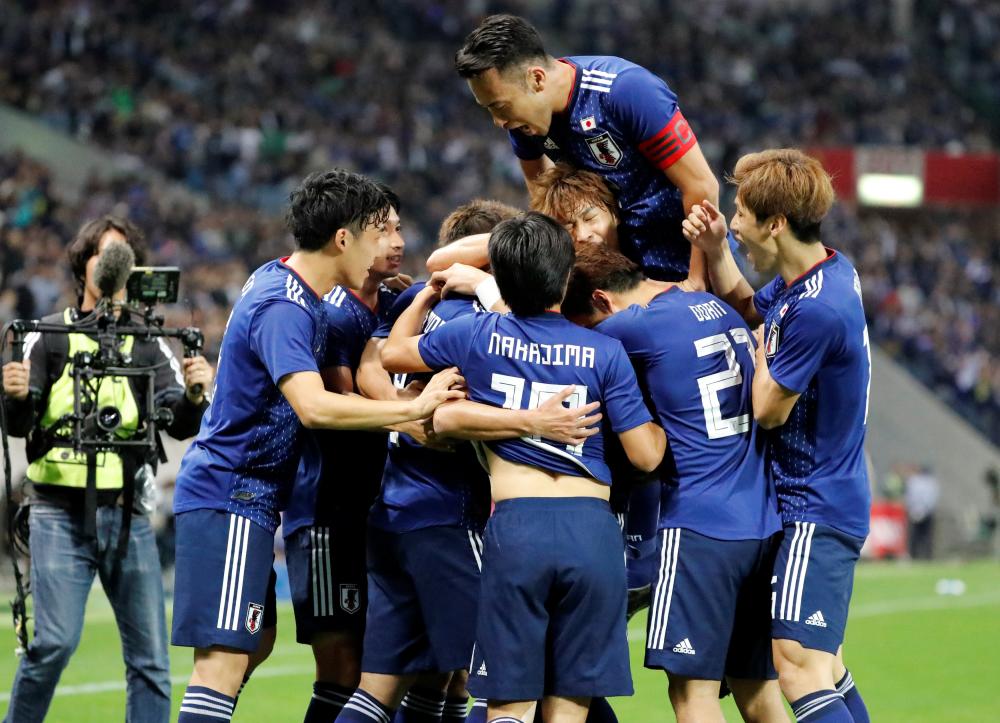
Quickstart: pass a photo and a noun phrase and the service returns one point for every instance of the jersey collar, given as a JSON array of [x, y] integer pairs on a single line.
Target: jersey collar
[[830, 255], [572, 89], [283, 261]]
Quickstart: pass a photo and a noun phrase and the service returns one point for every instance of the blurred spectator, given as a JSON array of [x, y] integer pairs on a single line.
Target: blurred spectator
[[922, 494]]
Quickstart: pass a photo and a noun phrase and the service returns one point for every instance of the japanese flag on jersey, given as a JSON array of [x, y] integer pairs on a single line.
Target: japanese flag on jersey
[[588, 123]]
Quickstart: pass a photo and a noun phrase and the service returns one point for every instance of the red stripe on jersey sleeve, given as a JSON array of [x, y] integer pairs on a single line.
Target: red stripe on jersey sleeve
[[668, 146]]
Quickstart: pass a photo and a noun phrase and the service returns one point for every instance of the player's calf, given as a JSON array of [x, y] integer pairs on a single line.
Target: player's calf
[[694, 700], [215, 681], [759, 701]]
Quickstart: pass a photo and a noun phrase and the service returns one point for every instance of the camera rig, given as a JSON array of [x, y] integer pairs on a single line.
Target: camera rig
[[94, 428]]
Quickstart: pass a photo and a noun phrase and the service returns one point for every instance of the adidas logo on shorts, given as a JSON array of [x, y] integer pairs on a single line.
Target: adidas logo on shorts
[[816, 619], [482, 669], [684, 646]]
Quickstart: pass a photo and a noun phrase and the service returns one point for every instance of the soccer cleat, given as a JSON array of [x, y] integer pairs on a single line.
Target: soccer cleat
[[638, 599]]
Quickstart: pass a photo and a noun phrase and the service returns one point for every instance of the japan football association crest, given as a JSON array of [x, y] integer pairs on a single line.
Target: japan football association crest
[[255, 615], [771, 346], [605, 150], [350, 598]]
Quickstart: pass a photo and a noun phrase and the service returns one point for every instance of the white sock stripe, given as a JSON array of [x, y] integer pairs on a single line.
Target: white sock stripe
[[198, 697], [225, 572], [332, 701], [210, 713], [806, 707], [814, 705], [479, 703], [847, 683], [363, 705], [789, 567], [209, 704], [453, 709], [243, 565], [805, 567], [423, 705]]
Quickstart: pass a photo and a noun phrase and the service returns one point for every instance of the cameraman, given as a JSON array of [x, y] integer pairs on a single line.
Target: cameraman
[[64, 558]]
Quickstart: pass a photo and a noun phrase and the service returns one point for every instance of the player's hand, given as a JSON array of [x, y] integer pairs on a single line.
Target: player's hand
[[15, 379], [422, 432], [443, 387], [458, 279], [197, 371], [705, 227], [554, 421], [399, 282]]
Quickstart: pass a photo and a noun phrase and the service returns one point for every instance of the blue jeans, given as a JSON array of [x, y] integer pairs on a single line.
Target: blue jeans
[[63, 564]]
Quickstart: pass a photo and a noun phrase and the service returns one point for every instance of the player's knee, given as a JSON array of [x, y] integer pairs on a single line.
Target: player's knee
[[685, 691], [457, 684], [264, 648], [338, 658], [220, 669]]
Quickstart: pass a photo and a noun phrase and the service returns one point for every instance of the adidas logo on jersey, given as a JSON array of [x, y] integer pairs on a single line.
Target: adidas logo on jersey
[[816, 619], [684, 646], [482, 670]]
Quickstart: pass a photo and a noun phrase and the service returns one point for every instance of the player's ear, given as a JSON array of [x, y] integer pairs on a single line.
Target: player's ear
[[340, 238], [601, 301], [777, 224], [536, 78]]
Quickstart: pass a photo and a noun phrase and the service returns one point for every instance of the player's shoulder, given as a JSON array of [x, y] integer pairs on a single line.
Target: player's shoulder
[[623, 322]]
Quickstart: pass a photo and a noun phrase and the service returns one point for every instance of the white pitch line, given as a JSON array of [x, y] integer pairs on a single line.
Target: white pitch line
[[107, 686], [891, 607]]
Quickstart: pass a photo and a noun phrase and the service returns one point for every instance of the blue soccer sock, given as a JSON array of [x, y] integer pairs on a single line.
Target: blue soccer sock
[[327, 701], [855, 704], [363, 708], [455, 709], [601, 712], [204, 705], [478, 712], [826, 706], [421, 706]]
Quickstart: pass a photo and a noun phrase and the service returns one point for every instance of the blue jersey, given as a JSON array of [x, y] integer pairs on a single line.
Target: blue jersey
[[423, 487], [245, 456], [622, 122], [816, 344], [340, 470], [518, 362], [698, 374]]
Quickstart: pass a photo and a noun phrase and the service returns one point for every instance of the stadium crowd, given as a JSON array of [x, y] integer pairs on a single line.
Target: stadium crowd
[[129, 80]]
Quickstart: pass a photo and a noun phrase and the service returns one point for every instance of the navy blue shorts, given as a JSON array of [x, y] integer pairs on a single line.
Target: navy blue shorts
[[423, 594], [223, 581], [710, 612], [327, 575], [641, 524], [813, 579], [552, 606]]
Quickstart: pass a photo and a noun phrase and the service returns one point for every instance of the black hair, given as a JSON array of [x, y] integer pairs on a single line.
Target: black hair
[[87, 243], [531, 257], [391, 195], [598, 268], [501, 42], [330, 200]]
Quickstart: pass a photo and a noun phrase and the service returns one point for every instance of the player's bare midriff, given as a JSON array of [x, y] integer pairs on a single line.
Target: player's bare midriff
[[510, 480]]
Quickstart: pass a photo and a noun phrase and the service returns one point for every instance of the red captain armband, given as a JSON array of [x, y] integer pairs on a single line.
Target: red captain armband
[[668, 146]]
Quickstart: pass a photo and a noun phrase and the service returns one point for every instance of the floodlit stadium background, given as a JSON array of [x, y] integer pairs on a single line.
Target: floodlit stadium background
[[195, 119]]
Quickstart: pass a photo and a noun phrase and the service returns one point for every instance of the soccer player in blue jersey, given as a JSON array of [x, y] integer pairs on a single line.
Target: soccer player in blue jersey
[[811, 392], [552, 607], [718, 518], [603, 114], [338, 479], [236, 477]]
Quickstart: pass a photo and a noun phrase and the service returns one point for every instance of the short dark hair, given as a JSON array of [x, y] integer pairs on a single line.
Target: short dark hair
[[478, 216], [598, 267], [391, 195], [87, 243], [501, 42], [330, 200], [531, 256]]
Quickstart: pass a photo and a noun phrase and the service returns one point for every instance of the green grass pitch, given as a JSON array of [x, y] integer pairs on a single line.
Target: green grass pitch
[[916, 656]]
